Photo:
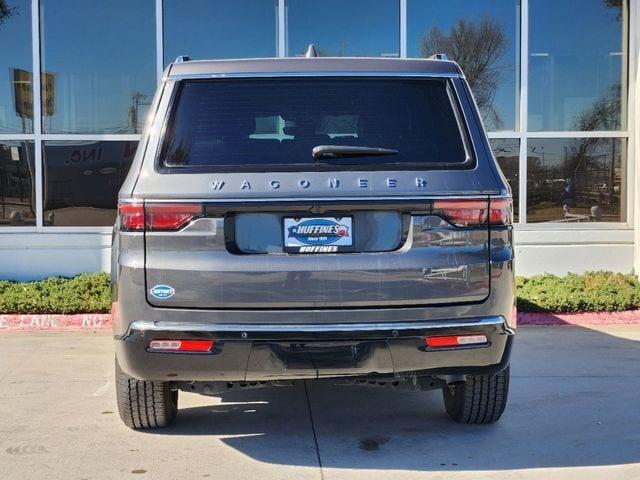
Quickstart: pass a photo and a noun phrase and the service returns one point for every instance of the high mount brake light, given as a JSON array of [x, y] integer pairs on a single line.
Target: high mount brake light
[[474, 212], [134, 217], [170, 216]]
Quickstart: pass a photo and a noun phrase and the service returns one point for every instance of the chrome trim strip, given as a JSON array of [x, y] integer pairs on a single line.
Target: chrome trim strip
[[311, 73], [389, 198], [465, 129], [465, 134], [494, 321]]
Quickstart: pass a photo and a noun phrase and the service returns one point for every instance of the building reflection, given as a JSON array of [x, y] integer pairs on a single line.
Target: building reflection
[[17, 182], [507, 153], [576, 180], [82, 180]]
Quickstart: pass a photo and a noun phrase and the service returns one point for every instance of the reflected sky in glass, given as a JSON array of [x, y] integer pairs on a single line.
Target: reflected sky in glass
[[102, 56], [500, 106], [575, 65], [339, 28], [204, 29], [15, 53]]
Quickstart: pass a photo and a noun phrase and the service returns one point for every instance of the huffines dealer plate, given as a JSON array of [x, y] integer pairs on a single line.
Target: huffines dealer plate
[[318, 234]]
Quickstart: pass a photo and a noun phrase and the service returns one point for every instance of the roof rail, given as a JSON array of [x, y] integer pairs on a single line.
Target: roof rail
[[439, 56], [182, 59], [311, 51]]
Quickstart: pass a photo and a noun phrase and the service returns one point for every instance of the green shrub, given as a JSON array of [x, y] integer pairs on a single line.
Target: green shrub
[[89, 293], [589, 292], [85, 293]]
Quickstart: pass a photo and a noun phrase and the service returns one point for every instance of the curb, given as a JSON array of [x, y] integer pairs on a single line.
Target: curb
[[53, 322], [628, 317], [103, 321]]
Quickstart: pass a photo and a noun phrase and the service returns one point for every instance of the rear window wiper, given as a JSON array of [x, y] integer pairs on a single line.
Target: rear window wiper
[[349, 151]]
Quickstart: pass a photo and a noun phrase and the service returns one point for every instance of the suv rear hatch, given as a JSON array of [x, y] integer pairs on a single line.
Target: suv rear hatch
[[392, 227]]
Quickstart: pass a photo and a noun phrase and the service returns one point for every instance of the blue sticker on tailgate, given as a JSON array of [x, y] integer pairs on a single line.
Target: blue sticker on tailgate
[[162, 292]]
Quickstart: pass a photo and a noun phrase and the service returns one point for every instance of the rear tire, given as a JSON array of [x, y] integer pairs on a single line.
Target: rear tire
[[479, 399], [145, 404]]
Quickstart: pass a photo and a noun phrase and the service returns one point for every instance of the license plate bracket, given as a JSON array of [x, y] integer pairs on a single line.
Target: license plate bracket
[[318, 234]]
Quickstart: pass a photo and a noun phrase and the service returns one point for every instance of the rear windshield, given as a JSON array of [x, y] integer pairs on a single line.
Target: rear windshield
[[275, 124]]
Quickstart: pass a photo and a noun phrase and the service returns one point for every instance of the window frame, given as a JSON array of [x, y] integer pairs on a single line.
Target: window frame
[[537, 233]]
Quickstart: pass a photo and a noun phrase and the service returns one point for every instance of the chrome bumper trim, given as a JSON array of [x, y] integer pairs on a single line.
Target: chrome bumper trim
[[493, 321]]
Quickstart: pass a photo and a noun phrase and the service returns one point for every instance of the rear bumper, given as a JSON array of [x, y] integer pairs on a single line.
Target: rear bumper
[[259, 352]]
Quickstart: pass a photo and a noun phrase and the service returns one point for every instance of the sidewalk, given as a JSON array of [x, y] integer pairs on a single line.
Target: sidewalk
[[571, 416]]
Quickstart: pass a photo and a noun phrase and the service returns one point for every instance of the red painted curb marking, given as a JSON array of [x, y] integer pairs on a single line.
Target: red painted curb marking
[[85, 321], [103, 321], [628, 317]]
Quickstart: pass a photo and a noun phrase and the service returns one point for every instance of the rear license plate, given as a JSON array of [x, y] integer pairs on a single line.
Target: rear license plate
[[318, 234]]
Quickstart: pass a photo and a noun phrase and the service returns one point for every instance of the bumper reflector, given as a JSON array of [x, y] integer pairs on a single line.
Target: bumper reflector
[[181, 345], [455, 340]]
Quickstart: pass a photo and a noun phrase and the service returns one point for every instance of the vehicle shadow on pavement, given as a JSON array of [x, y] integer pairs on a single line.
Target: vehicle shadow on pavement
[[573, 402]]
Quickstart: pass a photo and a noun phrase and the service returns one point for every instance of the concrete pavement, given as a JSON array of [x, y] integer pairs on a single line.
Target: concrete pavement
[[573, 414]]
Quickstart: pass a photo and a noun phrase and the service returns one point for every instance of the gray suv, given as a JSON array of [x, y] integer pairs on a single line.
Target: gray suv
[[313, 218]]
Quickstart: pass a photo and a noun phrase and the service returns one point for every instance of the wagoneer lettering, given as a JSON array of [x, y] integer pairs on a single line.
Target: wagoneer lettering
[[314, 218], [334, 183]]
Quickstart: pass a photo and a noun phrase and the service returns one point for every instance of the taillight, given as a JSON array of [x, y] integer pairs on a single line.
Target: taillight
[[134, 217], [131, 217], [449, 341], [474, 212], [500, 211], [170, 216], [462, 213], [200, 346]]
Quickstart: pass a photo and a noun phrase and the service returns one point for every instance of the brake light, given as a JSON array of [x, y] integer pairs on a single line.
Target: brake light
[[181, 345], [170, 216], [455, 340], [462, 213], [500, 211], [473, 212], [131, 217]]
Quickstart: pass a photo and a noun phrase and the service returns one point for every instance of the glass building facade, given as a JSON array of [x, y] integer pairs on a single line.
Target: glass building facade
[[552, 80]]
